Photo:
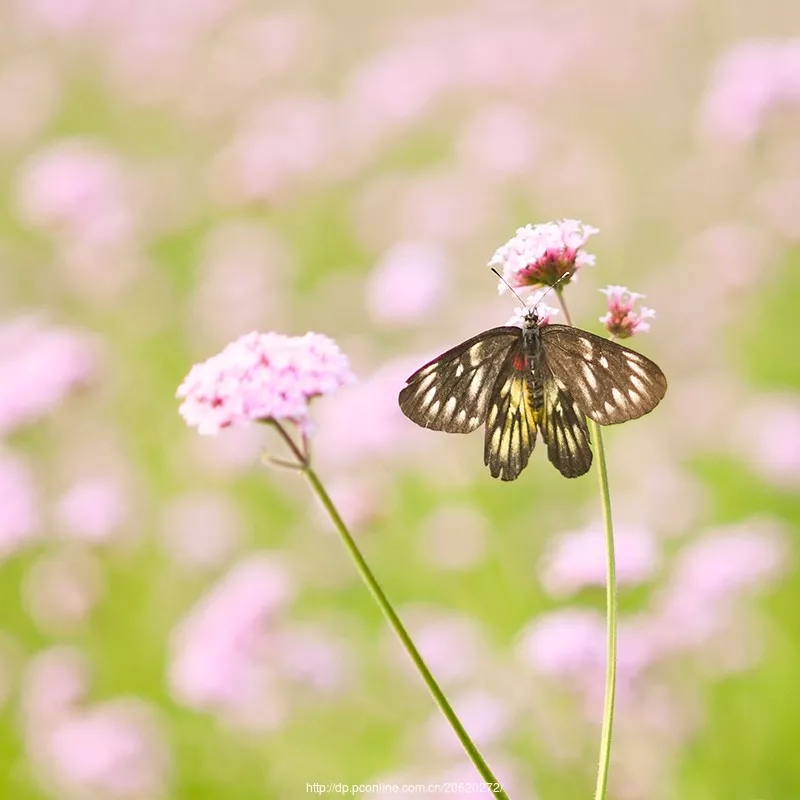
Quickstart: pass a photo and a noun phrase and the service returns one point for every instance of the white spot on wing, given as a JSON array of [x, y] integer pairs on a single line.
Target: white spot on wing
[[619, 398], [603, 362], [474, 388], [496, 434], [476, 354], [427, 381], [635, 365], [505, 445]]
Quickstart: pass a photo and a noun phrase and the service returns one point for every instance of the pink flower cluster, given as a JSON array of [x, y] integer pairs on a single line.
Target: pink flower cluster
[[236, 656], [115, 748], [695, 613], [621, 320], [216, 651], [541, 255], [749, 82], [262, 376], [575, 560]]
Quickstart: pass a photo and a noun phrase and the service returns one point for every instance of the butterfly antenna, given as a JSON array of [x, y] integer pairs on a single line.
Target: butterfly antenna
[[551, 287], [545, 293], [524, 304]]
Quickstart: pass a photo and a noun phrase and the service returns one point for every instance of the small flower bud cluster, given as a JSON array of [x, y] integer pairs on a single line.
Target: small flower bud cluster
[[543, 311], [621, 320]]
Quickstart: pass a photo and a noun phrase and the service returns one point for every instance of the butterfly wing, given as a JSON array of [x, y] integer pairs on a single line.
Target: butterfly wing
[[610, 383], [451, 393], [511, 419], [564, 428]]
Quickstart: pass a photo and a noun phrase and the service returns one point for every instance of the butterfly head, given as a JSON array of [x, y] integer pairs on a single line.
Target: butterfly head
[[532, 316]]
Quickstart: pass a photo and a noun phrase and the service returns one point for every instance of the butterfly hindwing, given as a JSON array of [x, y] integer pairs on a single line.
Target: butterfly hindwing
[[511, 420], [609, 383], [451, 393], [564, 429]]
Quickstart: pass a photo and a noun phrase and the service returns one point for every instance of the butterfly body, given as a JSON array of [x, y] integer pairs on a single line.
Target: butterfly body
[[539, 377]]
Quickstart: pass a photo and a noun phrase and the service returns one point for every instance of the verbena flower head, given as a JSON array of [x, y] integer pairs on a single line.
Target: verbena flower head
[[260, 377], [540, 255], [543, 311], [621, 320]]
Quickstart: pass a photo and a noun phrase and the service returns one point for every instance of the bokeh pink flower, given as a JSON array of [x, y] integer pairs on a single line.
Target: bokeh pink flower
[[564, 644], [41, 365], [92, 510], [76, 188], [201, 530], [775, 456], [406, 283], [20, 517], [216, 654], [452, 644], [577, 559], [501, 141], [116, 748], [61, 590], [381, 432], [753, 79], [712, 575], [278, 146]]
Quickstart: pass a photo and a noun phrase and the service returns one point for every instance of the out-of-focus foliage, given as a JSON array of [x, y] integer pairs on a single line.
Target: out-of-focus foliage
[[178, 621]]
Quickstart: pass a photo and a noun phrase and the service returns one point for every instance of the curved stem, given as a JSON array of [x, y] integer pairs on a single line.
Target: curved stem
[[611, 600], [492, 784], [611, 613]]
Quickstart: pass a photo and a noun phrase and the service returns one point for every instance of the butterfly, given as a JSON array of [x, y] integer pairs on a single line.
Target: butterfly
[[538, 377]]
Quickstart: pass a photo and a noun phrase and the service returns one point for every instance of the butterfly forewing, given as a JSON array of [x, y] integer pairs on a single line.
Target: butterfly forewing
[[609, 382], [511, 420], [564, 429], [451, 393]]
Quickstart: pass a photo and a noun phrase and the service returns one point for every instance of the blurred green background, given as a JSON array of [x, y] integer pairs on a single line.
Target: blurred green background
[[176, 174]]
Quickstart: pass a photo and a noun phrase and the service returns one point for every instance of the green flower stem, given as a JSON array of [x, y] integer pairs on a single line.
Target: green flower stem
[[611, 612], [391, 616], [611, 600]]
